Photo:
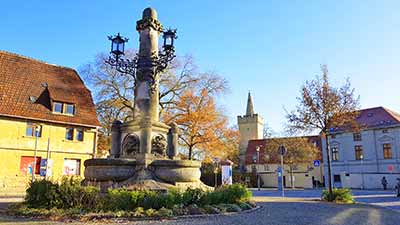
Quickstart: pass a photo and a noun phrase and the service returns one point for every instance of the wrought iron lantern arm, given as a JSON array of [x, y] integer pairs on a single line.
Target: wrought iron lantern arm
[[122, 65]]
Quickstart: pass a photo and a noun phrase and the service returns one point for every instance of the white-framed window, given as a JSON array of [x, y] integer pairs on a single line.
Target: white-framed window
[[357, 136], [33, 130], [335, 153], [58, 107], [64, 108], [79, 134], [358, 152], [387, 151], [69, 134], [69, 109]]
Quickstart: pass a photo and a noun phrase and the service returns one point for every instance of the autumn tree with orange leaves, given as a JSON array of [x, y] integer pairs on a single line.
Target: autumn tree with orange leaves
[[322, 107], [205, 131]]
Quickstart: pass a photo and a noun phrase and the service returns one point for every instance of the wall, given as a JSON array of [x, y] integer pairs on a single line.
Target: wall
[[14, 144], [373, 166], [302, 174]]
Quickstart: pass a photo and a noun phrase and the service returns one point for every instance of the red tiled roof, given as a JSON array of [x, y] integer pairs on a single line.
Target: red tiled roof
[[377, 117], [22, 77], [275, 158]]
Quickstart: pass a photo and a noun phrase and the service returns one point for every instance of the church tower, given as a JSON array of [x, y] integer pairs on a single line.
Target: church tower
[[251, 126]]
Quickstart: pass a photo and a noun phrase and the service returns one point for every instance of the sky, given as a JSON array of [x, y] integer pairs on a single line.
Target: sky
[[269, 48]]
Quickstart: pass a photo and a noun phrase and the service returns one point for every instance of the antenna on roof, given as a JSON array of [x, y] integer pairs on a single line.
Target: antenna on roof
[[32, 99], [44, 84]]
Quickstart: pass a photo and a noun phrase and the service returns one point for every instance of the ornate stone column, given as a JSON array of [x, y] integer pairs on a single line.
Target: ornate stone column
[[146, 87]]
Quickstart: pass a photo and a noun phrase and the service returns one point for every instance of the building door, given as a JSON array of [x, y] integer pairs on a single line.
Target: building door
[[284, 181], [337, 182]]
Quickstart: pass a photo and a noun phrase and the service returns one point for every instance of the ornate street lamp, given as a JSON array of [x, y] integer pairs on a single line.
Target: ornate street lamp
[[117, 45], [124, 65]]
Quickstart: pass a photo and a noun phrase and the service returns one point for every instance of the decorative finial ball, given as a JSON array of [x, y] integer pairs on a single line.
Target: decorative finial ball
[[149, 13]]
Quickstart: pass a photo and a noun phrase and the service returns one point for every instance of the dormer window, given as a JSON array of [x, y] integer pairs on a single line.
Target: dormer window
[[58, 107], [64, 108], [69, 109]]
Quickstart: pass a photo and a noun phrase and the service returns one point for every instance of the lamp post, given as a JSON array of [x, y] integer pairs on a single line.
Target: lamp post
[[258, 163], [36, 132], [282, 151], [362, 171], [216, 160]]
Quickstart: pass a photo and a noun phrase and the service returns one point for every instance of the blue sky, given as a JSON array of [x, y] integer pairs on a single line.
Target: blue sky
[[267, 47]]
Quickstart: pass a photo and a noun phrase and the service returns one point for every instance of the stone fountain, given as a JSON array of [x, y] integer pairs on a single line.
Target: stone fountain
[[144, 150]]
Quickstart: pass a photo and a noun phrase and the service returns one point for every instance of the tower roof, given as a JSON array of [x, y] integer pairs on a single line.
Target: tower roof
[[250, 108]]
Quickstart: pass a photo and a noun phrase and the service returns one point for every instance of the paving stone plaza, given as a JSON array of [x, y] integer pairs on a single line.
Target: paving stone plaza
[[300, 207]]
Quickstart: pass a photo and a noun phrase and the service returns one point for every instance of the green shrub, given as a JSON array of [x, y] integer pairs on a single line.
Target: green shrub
[[164, 212], [70, 195], [43, 194], [179, 210], [211, 210], [118, 199], [245, 206], [138, 212], [229, 208], [150, 212], [232, 194], [193, 196], [342, 195]]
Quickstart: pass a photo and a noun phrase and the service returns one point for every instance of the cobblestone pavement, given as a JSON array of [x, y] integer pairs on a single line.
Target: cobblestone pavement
[[276, 213], [297, 209], [374, 197]]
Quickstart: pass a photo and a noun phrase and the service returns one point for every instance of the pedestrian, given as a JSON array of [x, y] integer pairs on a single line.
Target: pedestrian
[[398, 187], [384, 183]]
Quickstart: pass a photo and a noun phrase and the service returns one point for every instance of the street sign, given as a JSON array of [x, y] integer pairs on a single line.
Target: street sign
[[317, 163], [282, 150]]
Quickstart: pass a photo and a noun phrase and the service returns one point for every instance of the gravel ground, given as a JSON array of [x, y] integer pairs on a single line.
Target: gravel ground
[[282, 212]]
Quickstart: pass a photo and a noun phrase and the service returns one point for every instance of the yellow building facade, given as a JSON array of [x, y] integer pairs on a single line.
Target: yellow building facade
[[48, 113]]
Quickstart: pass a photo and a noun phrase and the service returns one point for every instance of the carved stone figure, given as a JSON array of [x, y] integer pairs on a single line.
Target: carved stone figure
[[131, 145], [159, 145]]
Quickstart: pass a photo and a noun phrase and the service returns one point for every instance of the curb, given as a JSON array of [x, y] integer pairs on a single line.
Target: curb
[[212, 215]]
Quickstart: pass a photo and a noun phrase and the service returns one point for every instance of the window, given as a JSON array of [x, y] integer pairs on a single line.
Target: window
[[387, 151], [69, 109], [357, 136], [58, 107], [69, 134], [30, 130], [336, 178], [335, 153], [27, 164], [64, 108], [359, 152], [79, 134], [72, 167]]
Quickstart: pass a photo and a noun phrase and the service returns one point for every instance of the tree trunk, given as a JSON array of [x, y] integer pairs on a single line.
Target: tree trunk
[[190, 153], [328, 159]]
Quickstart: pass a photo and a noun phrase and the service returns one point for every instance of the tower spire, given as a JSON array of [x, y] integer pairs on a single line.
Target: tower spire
[[250, 109]]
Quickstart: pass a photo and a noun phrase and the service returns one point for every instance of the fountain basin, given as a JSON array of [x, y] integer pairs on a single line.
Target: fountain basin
[[109, 169], [173, 171]]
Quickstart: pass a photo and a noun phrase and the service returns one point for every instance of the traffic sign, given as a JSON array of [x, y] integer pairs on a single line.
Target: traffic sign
[[317, 163], [282, 150]]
